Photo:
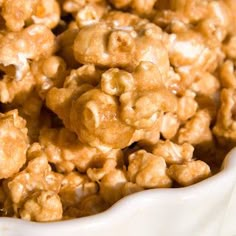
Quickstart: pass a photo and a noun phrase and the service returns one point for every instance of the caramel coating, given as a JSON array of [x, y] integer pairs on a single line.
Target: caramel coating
[[18, 47], [18, 13], [37, 176], [173, 153], [91, 13], [42, 206], [99, 118], [197, 129], [189, 173], [225, 126], [13, 133], [66, 152], [148, 170], [75, 187], [48, 72], [111, 186], [16, 91], [105, 45]]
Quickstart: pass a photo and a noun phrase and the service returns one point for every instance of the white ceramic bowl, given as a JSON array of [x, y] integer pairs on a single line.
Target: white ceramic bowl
[[207, 208]]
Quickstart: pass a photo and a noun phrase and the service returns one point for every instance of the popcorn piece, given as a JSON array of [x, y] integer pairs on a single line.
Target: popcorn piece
[[197, 129], [36, 176], [213, 18], [13, 133], [16, 91], [148, 170], [224, 128], [173, 153], [189, 173], [47, 12], [11, 10], [122, 47], [93, 117], [143, 88], [111, 186], [16, 48], [42, 206], [78, 82], [218, 21], [18, 13], [66, 152], [91, 13], [202, 56]]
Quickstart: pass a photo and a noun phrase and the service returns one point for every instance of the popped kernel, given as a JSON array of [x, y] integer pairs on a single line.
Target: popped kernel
[[189, 173], [16, 48], [197, 129], [13, 133], [36, 176], [172, 152], [148, 170], [224, 128], [42, 206], [122, 47]]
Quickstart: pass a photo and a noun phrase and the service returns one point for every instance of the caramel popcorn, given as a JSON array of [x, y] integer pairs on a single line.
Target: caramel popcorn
[[197, 129], [148, 170], [189, 173], [16, 48], [42, 206], [36, 176], [122, 47], [225, 126], [173, 153], [66, 152], [18, 13], [13, 134], [100, 99]]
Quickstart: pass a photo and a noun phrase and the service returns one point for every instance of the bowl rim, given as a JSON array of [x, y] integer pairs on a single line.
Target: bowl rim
[[123, 207]]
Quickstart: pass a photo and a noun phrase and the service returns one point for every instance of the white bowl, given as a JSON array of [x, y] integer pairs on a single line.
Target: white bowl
[[207, 208]]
